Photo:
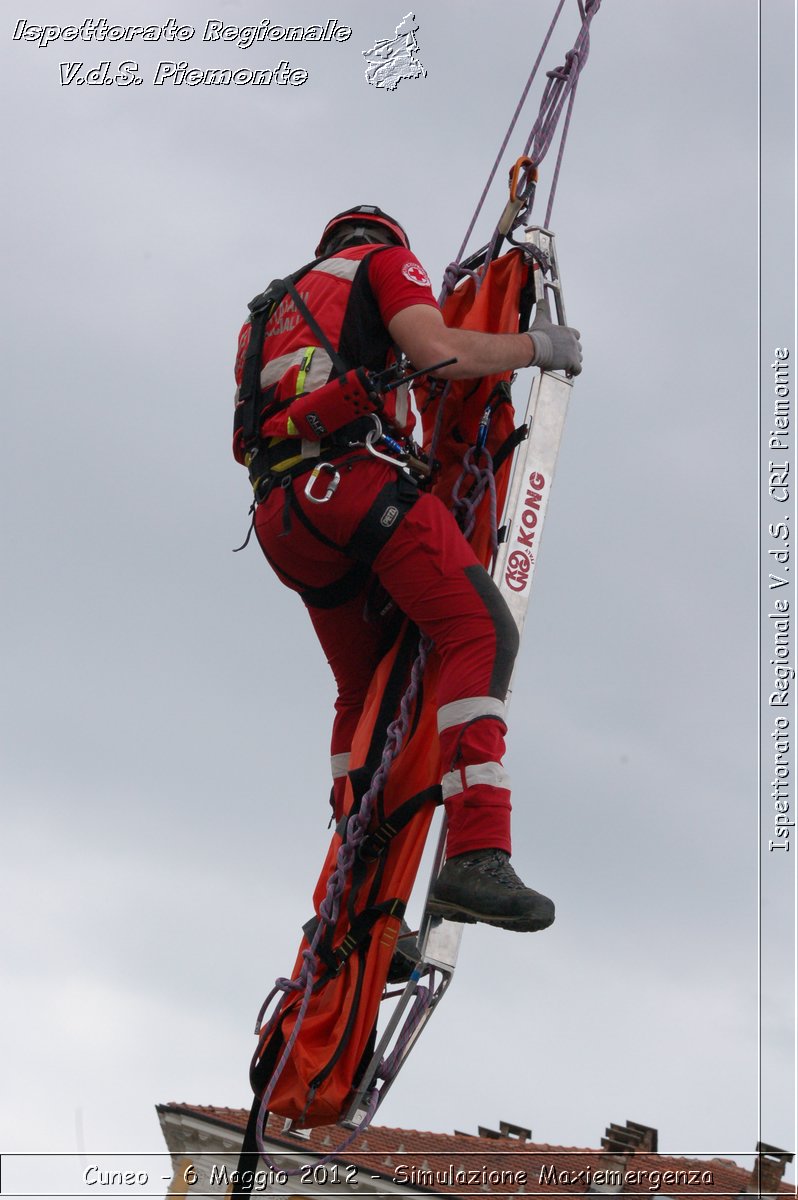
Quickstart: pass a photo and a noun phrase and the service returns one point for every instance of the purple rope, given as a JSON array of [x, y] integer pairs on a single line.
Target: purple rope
[[510, 129], [466, 506], [372, 1102], [389, 1066], [555, 177], [561, 86], [356, 830]]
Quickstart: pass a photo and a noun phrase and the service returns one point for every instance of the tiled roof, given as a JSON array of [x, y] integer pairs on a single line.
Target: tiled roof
[[507, 1166]]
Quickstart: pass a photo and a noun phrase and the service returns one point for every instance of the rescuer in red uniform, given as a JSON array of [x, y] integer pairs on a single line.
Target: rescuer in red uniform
[[364, 298]]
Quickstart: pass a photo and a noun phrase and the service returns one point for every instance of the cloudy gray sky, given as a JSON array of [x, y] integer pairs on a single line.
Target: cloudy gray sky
[[165, 812]]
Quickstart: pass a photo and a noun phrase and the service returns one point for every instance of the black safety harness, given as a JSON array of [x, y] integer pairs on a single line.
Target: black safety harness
[[255, 405], [263, 461]]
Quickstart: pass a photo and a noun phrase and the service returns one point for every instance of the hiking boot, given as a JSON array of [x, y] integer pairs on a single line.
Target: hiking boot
[[482, 886], [406, 956]]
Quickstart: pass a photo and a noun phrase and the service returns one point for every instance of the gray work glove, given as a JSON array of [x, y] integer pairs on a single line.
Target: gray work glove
[[557, 347]]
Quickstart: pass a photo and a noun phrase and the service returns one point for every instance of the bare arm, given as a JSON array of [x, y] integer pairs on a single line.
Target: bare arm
[[421, 332]]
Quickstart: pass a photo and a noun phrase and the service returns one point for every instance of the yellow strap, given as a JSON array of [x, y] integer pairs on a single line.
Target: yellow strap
[[304, 367], [290, 428], [287, 462], [301, 378]]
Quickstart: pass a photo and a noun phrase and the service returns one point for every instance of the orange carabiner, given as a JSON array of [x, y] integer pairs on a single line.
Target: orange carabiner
[[530, 178]]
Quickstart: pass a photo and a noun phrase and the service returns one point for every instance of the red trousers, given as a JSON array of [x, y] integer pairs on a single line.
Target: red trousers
[[414, 547]]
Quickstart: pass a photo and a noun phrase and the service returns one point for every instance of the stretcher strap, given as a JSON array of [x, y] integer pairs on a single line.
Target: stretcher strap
[[359, 929], [375, 844]]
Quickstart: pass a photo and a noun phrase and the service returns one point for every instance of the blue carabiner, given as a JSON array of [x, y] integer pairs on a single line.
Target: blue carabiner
[[484, 426]]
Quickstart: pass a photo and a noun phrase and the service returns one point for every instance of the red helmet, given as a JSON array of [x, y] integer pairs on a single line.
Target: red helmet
[[365, 214]]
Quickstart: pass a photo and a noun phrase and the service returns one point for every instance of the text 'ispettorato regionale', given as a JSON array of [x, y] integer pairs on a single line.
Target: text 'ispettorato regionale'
[[243, 37]]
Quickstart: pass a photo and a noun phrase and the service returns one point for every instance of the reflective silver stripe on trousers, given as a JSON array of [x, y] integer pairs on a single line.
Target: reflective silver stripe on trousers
[[318, 373], [459, 712], [339, 764], [492, 773]]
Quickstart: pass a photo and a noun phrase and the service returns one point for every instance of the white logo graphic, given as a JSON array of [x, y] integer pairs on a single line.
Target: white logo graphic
[[416, 274], [390, 60]]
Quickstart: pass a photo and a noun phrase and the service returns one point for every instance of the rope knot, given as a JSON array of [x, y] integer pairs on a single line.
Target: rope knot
[[466, 506], [559, 73], [451, 276]]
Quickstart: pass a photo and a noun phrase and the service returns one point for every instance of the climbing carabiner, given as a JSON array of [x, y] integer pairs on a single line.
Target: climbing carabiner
[[523, 178], [521, 189], [375, 435], [484, 427], [333, 484]]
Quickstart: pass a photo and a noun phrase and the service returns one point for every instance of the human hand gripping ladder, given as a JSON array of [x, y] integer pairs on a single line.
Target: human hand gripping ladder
[[522, 524]]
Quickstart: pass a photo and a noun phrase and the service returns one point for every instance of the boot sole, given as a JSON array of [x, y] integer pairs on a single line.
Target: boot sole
[[455, 912]]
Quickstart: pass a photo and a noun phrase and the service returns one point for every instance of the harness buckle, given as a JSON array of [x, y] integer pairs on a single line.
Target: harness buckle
[[333, 484]]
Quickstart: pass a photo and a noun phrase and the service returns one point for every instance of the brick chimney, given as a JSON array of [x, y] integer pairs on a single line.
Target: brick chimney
[[768, 1170], [619, 1143], [515, 1133], [629, 1138]]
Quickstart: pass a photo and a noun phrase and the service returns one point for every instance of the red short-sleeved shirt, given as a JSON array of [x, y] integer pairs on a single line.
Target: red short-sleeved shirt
[[398, 281]]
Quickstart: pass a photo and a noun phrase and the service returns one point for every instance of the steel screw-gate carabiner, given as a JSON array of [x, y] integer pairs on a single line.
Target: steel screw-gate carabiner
[[333, 484]]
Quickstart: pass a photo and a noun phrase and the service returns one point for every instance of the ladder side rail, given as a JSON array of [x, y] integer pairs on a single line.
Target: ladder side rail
[[357, 1107], [535, 459]]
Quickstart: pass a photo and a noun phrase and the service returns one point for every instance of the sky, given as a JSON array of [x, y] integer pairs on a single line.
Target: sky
[[165, 707]]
